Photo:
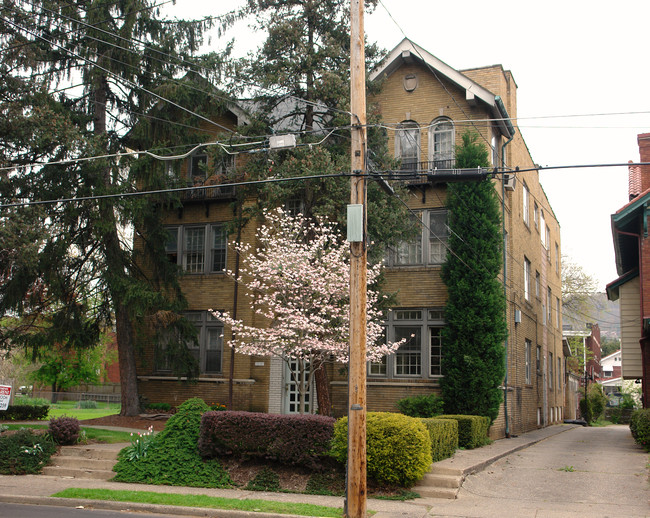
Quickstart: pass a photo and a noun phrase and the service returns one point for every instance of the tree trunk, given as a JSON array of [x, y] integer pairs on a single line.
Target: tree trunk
[[322, 389], [116, 274]]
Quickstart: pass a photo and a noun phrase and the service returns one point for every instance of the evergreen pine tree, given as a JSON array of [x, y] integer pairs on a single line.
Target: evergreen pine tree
[[473, 362]]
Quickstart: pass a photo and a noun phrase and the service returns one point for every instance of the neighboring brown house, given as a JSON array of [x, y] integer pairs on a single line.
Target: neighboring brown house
[[426, 105], [632, 288]]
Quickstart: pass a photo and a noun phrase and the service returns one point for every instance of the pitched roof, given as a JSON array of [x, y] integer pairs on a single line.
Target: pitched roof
[[407, 52]]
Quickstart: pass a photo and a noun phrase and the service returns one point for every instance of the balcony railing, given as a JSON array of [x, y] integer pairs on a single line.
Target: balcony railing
[[415, 173], [216, 187]]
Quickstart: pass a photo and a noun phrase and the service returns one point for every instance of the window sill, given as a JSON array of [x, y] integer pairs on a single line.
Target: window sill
[[200, 379]]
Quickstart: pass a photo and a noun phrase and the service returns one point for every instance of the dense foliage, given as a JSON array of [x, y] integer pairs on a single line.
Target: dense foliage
[[77, 79], [24, 452], [172, 456], [64, 430], [640, 427], [472, 430], [444, 437], [428, 405], [287, 439], [24, 412], [474, 361], [398, 447]]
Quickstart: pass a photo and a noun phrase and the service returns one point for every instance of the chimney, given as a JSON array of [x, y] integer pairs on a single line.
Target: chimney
[[644, 153]]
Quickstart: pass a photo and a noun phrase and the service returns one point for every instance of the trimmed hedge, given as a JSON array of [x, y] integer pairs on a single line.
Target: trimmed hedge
[[444, 437], [24, 413], [423, 405], [398, 447], [290, 439], [472, 430], [640, 427]]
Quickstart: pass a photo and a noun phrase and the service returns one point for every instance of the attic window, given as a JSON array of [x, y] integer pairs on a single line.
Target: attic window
[[410, 82]]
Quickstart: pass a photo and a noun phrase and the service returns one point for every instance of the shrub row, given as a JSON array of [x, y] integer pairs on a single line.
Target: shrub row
[[398, 447], [290, 439], [444, 437], [24, 412], [640, 427], [472, 430]]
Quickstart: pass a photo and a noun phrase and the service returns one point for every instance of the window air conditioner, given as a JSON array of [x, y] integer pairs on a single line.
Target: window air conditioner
[[509, 182]]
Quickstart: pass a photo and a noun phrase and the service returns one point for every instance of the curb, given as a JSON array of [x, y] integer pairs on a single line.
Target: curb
[[109, 505]]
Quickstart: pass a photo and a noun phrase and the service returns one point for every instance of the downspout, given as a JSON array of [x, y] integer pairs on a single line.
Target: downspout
[[511, 129]]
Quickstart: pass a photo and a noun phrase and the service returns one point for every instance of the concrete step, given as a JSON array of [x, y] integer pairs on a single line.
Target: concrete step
[[93, 461], [58, 471], [441, 481], [437, 492], [95, 451], [83, 463], [439, 469]]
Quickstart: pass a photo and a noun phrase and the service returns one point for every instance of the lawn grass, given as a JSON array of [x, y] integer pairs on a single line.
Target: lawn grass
[[92, 434], [202, 501], [69, 409]]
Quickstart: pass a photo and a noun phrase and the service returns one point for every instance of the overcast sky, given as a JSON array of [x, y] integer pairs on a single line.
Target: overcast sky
[[582, 80]]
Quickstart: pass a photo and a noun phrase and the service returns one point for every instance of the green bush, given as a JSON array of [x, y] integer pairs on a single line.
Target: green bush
[[172, 456], [472, 430], [24, 412], [24, 452], [640, 427], [597, 399], [586, 410], [31, 401], [398, 447], [444, 437], [87, 404], [428, 405]]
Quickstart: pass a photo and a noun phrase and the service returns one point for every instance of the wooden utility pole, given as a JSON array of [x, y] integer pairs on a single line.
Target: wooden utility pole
[[356, 490]]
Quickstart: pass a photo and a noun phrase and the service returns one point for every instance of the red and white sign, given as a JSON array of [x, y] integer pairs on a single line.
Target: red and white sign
[[5, 395]]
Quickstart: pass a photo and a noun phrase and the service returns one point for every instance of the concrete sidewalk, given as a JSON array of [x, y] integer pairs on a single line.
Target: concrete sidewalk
[[37, 489]]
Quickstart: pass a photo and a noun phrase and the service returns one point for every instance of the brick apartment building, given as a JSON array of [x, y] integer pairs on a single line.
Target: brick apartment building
[[632, 288], [427, 106]]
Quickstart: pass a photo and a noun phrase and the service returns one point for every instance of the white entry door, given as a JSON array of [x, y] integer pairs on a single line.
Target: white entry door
[[291, 387]]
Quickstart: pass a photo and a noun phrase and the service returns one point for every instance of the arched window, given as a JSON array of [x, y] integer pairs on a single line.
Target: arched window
[[441, 144], [407, 145]]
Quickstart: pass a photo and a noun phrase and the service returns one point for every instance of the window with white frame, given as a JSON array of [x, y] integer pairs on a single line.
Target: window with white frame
[[407, 145], [528, 350], [557, 312], [537, 283], [442, 144], [547, 241], [536, 215], [198, 248], [557, 258], [542, 226], [428, 246], [526, 278], [207, 350], [559, 374], [538, 359], [526, 203], [420, 356], [550, 370]]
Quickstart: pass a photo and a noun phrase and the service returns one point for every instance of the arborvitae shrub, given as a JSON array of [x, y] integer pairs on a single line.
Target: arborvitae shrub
[[398, 447], [64, 430], [428, 405]]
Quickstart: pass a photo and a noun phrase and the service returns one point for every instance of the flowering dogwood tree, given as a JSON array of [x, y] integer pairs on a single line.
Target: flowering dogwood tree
[[298, 281]]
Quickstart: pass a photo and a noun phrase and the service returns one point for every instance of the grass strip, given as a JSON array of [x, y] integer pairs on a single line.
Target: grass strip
[[202, 501], [94, 434]]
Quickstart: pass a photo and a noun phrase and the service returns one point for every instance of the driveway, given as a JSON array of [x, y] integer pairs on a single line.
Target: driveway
[[582, 472]]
